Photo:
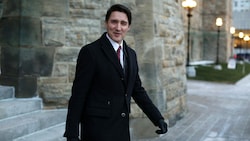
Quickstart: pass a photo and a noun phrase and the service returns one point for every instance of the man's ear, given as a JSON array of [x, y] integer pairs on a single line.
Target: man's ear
[[128, 27]]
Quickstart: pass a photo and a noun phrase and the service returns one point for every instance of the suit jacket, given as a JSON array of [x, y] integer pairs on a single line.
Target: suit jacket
[[101, 94]]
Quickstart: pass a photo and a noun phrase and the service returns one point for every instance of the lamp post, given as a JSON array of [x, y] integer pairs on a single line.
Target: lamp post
[[241, 35], [188, 5], [246, 39], [232, 31], [218, 24]]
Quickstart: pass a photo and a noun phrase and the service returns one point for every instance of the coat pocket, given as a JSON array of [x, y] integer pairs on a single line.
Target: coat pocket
[[98, 106], [98, 111]]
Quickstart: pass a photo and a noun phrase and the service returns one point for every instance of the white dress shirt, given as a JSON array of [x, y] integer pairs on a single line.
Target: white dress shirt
[[116, 46]]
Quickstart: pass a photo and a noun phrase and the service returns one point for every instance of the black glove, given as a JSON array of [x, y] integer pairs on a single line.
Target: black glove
[[73, 139], [163, 127]]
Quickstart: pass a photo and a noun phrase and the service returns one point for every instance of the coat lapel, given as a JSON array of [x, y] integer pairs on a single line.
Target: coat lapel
[[130, 67], [110, 53]]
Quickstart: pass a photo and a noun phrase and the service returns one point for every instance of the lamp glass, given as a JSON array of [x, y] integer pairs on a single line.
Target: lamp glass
[[219, 22], [189, 4], [232, 30], [246, 38], [241, 34]]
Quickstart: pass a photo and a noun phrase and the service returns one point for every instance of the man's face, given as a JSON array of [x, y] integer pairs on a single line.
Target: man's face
[[117, 26]]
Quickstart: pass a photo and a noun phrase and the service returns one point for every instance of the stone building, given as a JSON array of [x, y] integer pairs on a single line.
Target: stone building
[[40, 41]]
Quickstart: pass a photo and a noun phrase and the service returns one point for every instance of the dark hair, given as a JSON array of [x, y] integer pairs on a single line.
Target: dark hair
[[120, 8]]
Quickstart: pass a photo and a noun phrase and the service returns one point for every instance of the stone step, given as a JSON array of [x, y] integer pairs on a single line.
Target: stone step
[[54, 133], [6, 92], [18, 126], [13, 107]]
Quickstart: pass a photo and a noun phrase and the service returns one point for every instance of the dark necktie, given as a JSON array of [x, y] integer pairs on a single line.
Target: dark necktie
[[118, 52]]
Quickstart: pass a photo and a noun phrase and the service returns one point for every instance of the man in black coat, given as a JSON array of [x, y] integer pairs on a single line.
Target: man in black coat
[[106, 78]]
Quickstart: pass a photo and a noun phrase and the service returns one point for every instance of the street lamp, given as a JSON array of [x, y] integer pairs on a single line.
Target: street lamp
[[232, 31], [218, 24], [246, 39], [241, 35], [188, 5]]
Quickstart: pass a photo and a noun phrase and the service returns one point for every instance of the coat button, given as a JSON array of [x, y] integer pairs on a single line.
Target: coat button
[[123, 114]]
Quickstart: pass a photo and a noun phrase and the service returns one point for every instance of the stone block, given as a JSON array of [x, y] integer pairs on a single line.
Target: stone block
[[72, 69], [12, 8], [61, 69], [55, 8], [9, 31], [31, 8], [76, 4], [75, 37], [36, 8], [10, 61], [37, 61], [51, 80], [30, 32], [20, 31], [55, 91], [27, 61], [66, 54], [53, 31], [25, 86], [6, 92]]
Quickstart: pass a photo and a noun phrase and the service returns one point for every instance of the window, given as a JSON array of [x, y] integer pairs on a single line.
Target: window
[[235, 3]]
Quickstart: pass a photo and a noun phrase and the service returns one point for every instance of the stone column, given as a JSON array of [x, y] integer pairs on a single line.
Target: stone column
[[23, 55], [143, 27], [159, 43]]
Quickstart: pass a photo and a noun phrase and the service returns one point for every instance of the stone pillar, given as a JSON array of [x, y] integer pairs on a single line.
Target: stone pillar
[[145, 48], [147, 58], [23, 55], [159, 43]]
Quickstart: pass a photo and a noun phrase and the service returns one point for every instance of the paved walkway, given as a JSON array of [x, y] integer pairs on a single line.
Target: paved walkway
[[217, 112]]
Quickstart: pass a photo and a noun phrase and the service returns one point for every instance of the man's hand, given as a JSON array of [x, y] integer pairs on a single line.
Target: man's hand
[[73, 139], [163, 127]]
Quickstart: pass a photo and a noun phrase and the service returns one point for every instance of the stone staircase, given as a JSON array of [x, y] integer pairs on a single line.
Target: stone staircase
[[25, 120]]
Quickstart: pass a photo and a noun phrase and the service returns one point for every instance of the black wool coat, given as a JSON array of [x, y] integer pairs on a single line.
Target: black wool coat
[[101, 94]]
